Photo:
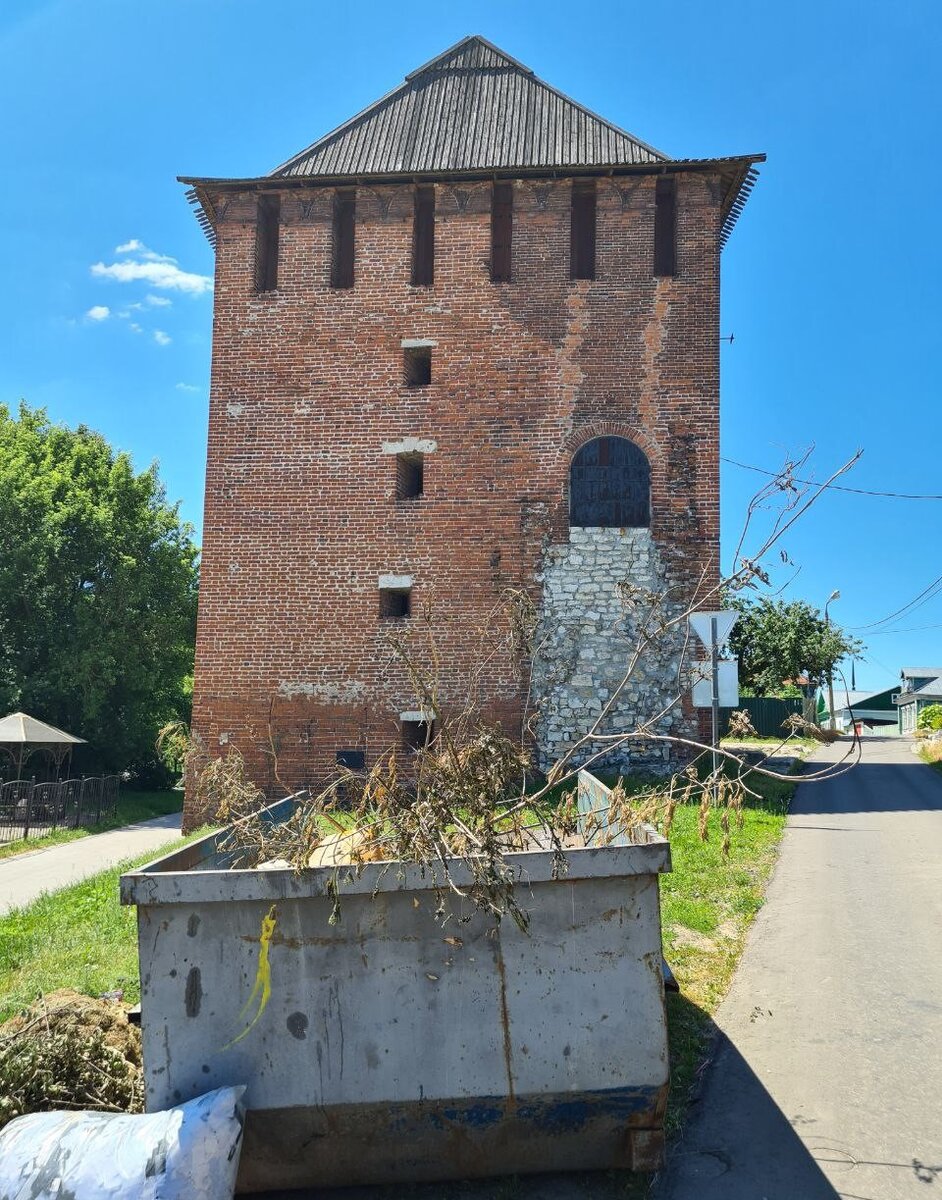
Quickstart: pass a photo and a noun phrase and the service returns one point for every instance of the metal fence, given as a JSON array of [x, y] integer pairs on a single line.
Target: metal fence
[[767, 714], [31, 809]]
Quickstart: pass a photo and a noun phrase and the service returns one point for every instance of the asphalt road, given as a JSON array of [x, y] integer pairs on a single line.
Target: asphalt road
[[828, 1077], [26, 876]]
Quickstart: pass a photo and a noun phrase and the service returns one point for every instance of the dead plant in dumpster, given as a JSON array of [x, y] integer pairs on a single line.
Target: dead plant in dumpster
[[469, 797]]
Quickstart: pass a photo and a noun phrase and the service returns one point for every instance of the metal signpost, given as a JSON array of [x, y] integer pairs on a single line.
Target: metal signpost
[[713, 628]]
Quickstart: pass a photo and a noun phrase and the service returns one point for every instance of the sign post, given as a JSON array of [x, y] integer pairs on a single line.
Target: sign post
[[713, 628]]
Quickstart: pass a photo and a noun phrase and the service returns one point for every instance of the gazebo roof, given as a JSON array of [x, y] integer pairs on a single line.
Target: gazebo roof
[[21, 729]]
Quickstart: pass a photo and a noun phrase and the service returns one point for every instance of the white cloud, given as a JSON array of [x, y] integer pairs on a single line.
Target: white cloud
[[163, 274], [99, 312], [136, 246], [158, 301], [161, 338], [135, 328], [188, 387]]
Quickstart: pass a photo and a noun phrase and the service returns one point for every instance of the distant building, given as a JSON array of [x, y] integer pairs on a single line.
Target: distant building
[[467, 341], [921, 686], [873, 710]]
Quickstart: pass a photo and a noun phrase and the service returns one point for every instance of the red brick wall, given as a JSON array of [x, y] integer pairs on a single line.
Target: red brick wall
[[301, 515]]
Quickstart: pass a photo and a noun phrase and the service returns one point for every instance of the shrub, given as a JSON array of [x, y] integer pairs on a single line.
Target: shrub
[[930, 717]]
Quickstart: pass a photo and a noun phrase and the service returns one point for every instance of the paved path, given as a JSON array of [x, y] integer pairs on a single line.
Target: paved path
[[26, 876], [828, 1078]]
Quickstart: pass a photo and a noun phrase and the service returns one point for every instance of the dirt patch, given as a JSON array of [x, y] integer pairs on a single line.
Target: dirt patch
[[684, 936]]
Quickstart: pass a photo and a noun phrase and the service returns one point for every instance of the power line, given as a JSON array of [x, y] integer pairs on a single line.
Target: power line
[[927, 594], [834, 487], [917, 629]]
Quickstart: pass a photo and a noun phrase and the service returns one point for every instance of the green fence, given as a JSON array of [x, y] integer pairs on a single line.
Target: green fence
[[765, 712]]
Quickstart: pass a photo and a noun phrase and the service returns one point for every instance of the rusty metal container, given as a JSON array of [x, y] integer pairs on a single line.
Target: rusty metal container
[[387, 1047]]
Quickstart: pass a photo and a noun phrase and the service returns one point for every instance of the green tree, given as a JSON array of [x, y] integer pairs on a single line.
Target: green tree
[[98, 583], [778, 641]]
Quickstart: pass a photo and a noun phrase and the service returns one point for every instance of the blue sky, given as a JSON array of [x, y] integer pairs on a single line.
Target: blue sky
[[831, 279]]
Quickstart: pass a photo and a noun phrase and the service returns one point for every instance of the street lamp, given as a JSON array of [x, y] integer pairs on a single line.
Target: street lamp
[[835, 595]]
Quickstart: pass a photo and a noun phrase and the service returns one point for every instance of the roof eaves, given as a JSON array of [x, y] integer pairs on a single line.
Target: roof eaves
[[562, 171], [742, 181]]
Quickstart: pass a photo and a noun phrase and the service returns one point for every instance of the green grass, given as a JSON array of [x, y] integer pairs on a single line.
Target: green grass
[[80, 937], [132, 807], [707, 905], [793, 745]]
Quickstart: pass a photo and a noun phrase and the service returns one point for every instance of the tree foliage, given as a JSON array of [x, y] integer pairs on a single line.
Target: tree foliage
[[98, 582], [930, 718], [778, 642]]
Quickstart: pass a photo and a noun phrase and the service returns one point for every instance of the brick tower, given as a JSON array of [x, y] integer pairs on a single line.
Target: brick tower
[[466, 342]]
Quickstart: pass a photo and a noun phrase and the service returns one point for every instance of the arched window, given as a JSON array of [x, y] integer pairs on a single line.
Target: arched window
[[610, 484]]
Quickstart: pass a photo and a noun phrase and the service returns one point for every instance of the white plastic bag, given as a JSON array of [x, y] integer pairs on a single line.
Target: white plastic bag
[[186, 1153]]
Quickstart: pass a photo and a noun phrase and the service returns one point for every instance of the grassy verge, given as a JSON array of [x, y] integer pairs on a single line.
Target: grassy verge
[[931, 754], [132, 807], [707, 906], [80, 937], [793, 745]]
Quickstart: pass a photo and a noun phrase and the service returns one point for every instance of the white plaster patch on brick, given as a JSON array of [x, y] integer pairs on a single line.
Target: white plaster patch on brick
[[411, 445], [395, 581], [224, 739], [235, 410], [302, 409], [331, 691], [417, 343], [234, 568]]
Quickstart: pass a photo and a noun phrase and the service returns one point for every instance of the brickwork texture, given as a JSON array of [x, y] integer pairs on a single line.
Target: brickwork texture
[[309, 403]]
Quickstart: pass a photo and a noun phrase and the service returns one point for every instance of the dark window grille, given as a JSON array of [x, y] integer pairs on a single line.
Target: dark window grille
[[665, 227], [344, 239], [268, 220], [423, 237], [417, 366], [410, 476], [502, 226], [610, 485], [582, 242], [395, 604]]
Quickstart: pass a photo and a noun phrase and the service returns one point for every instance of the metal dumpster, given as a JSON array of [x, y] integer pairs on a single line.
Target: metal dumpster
[[390, 1048]]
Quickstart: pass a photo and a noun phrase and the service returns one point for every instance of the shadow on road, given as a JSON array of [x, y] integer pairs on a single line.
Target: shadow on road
[[889, 778], [737, 1144]]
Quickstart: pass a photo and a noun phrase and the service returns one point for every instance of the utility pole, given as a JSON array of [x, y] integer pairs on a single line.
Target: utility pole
[[832, 722]]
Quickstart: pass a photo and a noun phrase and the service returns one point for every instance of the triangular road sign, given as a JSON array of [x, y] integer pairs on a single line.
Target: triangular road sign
[[702, 625]]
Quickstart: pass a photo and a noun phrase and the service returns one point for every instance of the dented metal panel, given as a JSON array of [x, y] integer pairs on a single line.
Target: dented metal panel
[[390, 1047]]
